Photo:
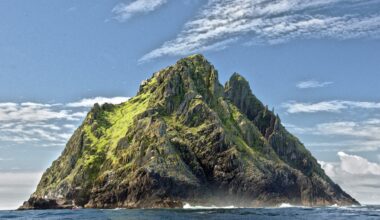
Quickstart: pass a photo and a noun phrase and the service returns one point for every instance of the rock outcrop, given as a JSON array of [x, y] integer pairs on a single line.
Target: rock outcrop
[[185, 138]]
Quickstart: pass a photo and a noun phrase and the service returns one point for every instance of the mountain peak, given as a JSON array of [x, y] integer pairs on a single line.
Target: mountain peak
[[190, 76], [236, 76], [198, 66], [198, 57], [237, 90], [185, 138]]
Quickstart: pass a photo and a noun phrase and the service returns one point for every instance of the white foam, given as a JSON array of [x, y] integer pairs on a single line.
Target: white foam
[[119, 208], [188, 206], [286, 205]]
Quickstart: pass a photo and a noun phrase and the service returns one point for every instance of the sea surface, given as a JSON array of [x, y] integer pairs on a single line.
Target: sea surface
[[285, 212]]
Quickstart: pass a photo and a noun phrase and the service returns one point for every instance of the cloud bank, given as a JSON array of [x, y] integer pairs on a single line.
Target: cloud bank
[[351, 135], [42, 124], [15, 187], [222, 22]]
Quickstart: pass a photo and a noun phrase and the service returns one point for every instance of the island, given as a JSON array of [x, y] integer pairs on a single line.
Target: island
[[185, 138]]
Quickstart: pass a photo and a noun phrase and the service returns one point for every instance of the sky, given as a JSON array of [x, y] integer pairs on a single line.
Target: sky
[[316, 62]]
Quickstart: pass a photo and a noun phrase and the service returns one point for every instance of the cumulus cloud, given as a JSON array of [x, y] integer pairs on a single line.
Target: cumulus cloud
[[100, 100], [312, 84], [327, 106], [357, 165], [355, 174], [271, 22], [125, 11]]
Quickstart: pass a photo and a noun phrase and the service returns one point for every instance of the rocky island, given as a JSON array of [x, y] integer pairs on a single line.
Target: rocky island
[[185, 138]]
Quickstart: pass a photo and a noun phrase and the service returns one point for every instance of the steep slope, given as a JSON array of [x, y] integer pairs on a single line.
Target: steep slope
[[185, 138]]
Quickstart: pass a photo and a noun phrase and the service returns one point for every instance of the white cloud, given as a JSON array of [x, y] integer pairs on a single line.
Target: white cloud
[[16, 187], [69, 126], [270, 22], [328, 167], [34, 104], [356, 175], [35, 124], [357, 165], [44, 124], [100, 100], [350, 135], [351, 145], [312, 84], [7, 105], [327, 106], [5, 159], [34, 132], [33, 112], [125, 11], [349, 128]]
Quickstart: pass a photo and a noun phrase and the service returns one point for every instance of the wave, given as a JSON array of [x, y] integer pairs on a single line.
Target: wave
[[288, 205], [335, 206], [188, 206], [285, 205], [119, 208], [282, 205]]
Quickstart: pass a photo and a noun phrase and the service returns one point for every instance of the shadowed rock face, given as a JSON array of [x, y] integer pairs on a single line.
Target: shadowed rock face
[[185, 138]]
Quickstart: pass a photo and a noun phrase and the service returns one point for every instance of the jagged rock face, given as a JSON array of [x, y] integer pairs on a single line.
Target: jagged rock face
[[185, 138]]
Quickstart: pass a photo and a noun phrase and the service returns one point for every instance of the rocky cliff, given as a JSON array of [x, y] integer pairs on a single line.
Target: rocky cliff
[[185, 138]]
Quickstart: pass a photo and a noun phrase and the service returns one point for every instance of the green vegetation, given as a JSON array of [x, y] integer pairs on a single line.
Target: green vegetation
[[182, 133]]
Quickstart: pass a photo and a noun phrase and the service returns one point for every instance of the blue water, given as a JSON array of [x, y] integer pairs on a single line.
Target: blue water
[[291, 213]]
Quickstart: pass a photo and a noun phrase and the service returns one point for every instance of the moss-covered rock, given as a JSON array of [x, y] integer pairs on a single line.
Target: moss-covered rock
[[185, 138]]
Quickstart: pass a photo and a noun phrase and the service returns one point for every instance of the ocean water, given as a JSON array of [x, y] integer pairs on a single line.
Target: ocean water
[[285, 212]]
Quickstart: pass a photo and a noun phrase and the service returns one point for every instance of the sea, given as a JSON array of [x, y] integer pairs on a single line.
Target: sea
[[284, 212]]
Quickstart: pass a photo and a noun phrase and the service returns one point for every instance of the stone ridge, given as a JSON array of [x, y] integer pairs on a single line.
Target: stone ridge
[[185, 138]]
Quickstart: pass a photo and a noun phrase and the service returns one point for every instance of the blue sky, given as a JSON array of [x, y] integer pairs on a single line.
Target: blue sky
[[315, 62]]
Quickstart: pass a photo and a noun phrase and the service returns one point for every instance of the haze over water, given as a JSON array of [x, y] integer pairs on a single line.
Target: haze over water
[[289, 213]]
